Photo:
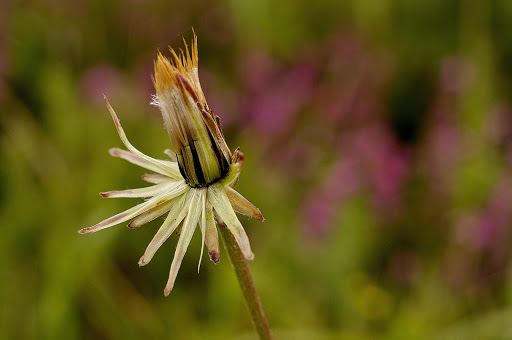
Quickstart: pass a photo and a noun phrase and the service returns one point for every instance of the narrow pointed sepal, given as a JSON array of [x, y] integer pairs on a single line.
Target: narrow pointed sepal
[[202, 226], [214, 256], [223, 208], [238, 157], [171, 169], [231, 177], [189, 226], [155, 178], [162, 166], [125, 215], [177, 214], [211, 237], [241, 205], [237, 162], [141, 192], [152, 214]]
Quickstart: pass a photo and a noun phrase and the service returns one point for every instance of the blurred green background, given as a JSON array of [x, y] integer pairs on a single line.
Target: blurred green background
[[378, 144]]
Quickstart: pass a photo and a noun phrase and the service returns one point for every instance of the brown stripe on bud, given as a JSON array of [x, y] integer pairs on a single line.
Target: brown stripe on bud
[[194, 131]]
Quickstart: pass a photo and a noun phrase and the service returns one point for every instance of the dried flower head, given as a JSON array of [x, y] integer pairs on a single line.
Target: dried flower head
[[195, 186]]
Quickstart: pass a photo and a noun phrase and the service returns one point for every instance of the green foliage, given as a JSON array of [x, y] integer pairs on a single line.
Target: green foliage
[[385, 186]]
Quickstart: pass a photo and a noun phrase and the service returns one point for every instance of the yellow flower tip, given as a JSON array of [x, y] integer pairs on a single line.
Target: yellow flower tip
[[179, 72], [164, 77]]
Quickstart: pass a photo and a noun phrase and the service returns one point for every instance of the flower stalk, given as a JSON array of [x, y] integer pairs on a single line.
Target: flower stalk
[[244, 277]]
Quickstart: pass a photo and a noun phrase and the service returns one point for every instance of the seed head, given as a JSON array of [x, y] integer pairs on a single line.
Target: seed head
[[194, 130]]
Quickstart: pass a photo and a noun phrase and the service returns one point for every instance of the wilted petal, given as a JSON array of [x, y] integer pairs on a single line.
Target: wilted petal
[[211, 238], [174, 218], [220, 203], [189, 226], [143, 192], [150, 215], [172, 169], [155, 178], [161, 165], [241, 205], [125, 215], [202, 225]]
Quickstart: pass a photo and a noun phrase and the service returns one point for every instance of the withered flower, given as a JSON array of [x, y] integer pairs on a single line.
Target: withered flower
[[195, 185]]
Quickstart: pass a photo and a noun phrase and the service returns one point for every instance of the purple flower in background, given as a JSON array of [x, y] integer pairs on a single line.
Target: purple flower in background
[[97, 81], [320, 206]]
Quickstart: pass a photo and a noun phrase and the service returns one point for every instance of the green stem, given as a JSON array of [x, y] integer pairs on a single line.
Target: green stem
[[246, 283]]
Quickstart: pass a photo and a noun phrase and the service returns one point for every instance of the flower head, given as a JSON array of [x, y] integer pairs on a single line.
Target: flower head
[[195, 185], [194, 130]]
